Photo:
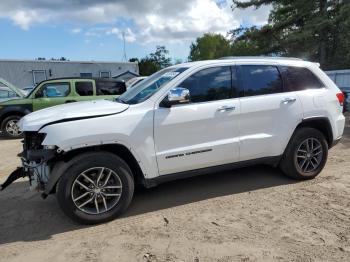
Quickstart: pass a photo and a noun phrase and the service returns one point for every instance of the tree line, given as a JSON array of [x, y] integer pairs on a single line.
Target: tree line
[[315, 30]]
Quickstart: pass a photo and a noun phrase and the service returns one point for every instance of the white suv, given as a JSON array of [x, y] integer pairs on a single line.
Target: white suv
[[185, 120]]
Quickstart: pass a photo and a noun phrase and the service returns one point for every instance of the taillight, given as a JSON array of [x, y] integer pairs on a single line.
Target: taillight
[[341, 98]]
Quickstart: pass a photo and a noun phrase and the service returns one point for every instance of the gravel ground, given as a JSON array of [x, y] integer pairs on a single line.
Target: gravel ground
[[250, 214]]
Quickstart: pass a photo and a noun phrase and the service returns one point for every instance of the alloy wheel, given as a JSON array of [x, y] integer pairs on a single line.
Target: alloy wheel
[[96, 190], [309, 155], [12, 128]]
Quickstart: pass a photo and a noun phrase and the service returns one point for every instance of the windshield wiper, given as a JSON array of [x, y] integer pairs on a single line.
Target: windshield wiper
[[119, 100]]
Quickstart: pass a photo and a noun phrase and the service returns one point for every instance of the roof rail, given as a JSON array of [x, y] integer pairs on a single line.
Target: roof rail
[[261, 57]]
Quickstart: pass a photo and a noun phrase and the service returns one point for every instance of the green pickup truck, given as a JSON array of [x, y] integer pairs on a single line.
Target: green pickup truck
[[54, 92]]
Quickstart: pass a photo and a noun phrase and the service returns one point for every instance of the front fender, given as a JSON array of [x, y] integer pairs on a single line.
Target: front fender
[[133, 131]]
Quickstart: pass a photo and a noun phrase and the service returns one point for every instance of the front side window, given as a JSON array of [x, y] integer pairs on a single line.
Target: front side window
[[54, 90], [107, 88], [300, 78], [84, 88], [209, 84], [150, 86], [260, 80]]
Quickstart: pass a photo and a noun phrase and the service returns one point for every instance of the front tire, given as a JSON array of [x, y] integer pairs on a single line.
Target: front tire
[[10, 128], [306, 154], [95, 189]]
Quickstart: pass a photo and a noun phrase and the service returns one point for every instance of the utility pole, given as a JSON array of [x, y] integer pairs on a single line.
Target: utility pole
[[124, 50]]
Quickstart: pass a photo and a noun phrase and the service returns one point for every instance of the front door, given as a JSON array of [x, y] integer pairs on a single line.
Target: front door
[[51, 94], [204, 132]]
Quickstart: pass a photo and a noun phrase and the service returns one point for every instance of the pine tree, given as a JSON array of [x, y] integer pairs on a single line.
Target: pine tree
[[318, 30]]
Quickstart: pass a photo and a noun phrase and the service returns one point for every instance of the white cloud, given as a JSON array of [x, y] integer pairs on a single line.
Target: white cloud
[[252, 16], [76, 30], [147, 20], [128, 34], [201, 16], [24, 19]]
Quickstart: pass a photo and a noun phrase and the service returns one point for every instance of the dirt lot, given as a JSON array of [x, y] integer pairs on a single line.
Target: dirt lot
[[250, 214]]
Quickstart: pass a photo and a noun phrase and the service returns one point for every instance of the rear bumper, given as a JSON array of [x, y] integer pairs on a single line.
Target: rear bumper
[[340, 126]]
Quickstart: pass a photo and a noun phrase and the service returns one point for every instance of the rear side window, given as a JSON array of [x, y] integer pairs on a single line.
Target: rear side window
[[84, 88], [299, 78], [106, 88], [209, 84], [260, 80]]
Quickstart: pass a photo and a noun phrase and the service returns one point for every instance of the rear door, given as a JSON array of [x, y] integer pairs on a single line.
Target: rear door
[[204, 132], [269, 113], [52, 93]]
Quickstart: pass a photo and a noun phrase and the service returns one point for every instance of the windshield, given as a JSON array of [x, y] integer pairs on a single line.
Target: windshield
[[146, 88]]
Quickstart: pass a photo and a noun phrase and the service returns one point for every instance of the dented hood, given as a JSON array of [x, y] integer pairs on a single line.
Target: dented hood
[[70, 112]]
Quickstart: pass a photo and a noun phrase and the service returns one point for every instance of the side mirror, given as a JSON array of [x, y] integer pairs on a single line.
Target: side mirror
[[177, 95]]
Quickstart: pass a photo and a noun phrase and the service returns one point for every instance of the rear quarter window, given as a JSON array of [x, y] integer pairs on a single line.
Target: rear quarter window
[[300, 78]]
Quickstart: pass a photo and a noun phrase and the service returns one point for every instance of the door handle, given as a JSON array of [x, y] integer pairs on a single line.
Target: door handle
[[70, 101], [288, 100], [226, 108]]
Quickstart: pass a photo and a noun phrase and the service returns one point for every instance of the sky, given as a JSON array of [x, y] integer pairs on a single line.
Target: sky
[[93, 29]]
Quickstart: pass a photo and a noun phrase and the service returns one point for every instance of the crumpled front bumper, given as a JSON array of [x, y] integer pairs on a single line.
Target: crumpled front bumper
[[34, 166], [18, 173]]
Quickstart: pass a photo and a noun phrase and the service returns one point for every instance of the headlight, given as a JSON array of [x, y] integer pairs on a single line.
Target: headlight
[[33, 140]]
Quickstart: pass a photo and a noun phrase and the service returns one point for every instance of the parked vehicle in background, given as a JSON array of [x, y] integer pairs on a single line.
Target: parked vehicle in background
[[134, 81], [9, 91], [346, 92], [185, 120], [7, 94], [55, 92], [26, 90]]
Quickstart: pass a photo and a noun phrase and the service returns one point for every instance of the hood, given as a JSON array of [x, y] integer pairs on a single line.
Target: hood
[[70, 112]]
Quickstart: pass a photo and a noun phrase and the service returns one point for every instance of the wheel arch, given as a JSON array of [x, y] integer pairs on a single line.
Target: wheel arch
[[71, 157], [322, 124], [17, 111]]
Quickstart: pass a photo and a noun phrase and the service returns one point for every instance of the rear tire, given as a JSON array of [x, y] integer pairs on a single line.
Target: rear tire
[[101, 177], [306, 154], [9, 127]]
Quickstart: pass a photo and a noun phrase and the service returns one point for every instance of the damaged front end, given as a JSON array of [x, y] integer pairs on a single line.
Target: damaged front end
[[36, 164]]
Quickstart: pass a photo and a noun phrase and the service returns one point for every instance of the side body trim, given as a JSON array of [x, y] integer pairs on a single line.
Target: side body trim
[[274, 161]]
